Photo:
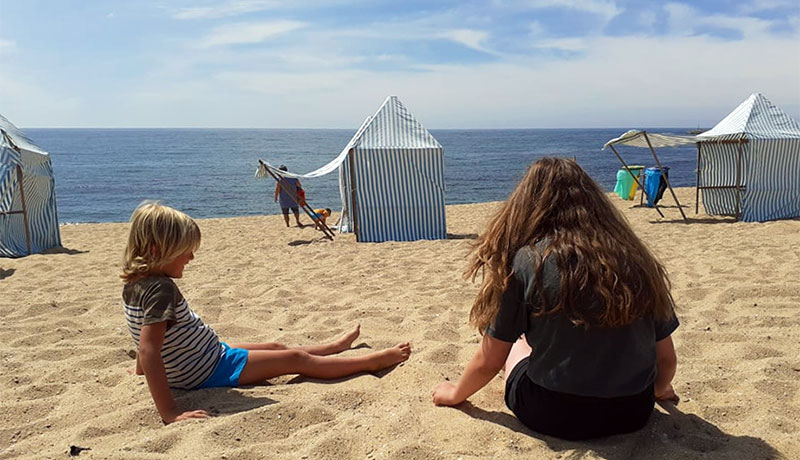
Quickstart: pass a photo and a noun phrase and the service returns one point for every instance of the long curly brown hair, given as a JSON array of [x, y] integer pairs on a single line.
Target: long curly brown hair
[[594, 247]]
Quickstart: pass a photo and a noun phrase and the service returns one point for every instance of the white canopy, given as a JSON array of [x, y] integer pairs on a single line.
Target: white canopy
[[636, 138]]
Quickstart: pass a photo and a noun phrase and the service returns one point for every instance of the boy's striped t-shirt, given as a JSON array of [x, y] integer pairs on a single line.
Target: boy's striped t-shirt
[[191, 349]]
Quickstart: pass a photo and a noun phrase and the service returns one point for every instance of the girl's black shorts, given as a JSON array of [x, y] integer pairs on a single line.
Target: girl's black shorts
[[574, 417]]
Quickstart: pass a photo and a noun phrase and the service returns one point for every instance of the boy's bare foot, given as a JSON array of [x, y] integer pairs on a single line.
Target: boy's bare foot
[[346, 341], [391, 356]]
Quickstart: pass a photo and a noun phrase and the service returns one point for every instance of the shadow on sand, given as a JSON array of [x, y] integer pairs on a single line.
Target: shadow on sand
[[6, 273], [462, 236], [222, 401], [698, 220], [667, 436], [62, 250]]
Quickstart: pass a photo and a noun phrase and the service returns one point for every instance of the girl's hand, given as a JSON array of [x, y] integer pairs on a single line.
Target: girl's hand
[[445, 395], [190, 414], [667, 394]]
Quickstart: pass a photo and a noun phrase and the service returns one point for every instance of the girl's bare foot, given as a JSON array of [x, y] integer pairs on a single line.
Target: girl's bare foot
[[346, 341], [390, 356]]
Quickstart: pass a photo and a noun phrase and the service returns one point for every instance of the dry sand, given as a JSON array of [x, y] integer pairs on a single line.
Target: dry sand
[[66, 353]]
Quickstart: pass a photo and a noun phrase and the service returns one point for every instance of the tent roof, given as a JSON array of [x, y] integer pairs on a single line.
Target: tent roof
[[756, 117], [636, 138], [393, 126], [18, 138]]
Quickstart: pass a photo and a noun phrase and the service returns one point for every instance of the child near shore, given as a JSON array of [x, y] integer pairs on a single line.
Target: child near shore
[[320, 217], [573, 307], [177, 350]]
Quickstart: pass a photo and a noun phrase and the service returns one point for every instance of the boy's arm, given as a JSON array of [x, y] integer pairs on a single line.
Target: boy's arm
[[666, 364], [484, 365], [150, 341]]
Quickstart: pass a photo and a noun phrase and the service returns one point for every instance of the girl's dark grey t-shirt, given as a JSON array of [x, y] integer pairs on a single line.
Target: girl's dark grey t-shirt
[[599, 361]]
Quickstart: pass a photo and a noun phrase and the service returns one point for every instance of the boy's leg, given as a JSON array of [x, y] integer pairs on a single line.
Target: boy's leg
[[519, 351], [337, 346], [266, 364]]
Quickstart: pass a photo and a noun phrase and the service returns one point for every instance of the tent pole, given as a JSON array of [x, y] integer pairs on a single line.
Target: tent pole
[[24, 209], [697, 183], [625, 165], [739, 184], [307, 209], [664, 176], [351, 163]]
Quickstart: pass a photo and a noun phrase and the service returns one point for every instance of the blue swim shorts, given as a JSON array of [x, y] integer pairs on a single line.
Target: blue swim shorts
[[228, 369]]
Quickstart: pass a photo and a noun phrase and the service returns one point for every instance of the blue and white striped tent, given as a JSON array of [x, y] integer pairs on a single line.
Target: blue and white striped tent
[[395, 176], [749, 163], [27, 195], [768, 165], [391, 179]]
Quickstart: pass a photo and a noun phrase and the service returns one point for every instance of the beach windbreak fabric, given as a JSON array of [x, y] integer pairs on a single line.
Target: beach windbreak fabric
[[397, 178], [38, 184]]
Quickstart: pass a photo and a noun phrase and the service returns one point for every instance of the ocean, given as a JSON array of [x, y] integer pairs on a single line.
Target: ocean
[[103, 174]]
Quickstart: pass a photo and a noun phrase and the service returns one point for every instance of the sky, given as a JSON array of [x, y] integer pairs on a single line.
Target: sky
[[454, 64]]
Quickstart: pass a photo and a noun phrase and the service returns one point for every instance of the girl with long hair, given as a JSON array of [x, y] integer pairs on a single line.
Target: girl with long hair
[[573, 307]]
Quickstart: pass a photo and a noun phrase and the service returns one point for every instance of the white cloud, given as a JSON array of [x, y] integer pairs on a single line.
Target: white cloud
[[758, 6], [563, 44], [603, 8], [536, 30], [685, 20], [664, 85], [248, 32], [647, 19], [7, 46], [470, 38], [227, 9]]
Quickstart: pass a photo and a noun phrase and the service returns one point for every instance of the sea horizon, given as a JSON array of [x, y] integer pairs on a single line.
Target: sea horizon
[[102, 174]]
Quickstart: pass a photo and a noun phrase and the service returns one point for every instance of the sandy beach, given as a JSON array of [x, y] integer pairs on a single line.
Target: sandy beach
[[66, 352]]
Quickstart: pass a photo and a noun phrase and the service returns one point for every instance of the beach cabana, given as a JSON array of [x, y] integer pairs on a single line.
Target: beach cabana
[[391, 179], [28, 216], [748, 165]]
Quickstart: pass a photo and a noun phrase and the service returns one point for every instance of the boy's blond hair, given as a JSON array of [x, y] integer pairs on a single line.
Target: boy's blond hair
[[159, 234]]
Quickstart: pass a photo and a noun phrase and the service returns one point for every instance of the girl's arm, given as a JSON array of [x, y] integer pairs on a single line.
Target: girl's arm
[[484, 365], [138, 370], [666, 363], [150, 341]]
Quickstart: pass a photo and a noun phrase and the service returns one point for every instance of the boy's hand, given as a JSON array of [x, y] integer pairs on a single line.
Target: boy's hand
[[189, 414], [445, 395]]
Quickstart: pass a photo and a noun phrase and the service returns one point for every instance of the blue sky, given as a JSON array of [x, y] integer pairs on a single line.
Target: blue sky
[[455, 64]]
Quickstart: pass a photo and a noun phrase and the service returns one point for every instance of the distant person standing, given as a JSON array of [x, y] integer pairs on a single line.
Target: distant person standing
[[286, 187]]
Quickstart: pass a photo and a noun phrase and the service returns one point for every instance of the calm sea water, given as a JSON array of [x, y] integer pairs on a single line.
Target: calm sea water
[[103, 174]]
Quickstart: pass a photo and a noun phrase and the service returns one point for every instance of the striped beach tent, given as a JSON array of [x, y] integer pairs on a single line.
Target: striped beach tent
[[28, 216], [749, 163], [391, 179], [392, 183]]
